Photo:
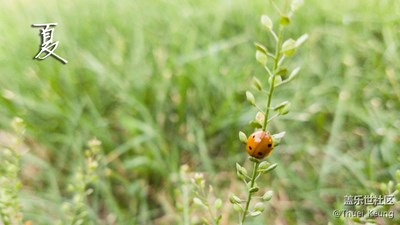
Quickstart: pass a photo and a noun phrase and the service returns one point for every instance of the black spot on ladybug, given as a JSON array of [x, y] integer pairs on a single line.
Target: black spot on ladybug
[[254, 136], [259, 153], [269, 145], [250, 148]]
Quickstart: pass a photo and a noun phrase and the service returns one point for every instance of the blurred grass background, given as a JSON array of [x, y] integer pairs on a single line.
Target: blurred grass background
[[161, 84]]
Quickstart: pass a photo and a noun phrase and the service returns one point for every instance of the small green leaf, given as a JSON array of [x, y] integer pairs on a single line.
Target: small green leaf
[[256, 124], [267, 196], [238, 167], [89, 191], [205, 221], [383, 187], [254, 189], [260, 116], [261, 57], [284, 20], [234, 199], [263, 165], [296, 4], [277, 138], [241, 170], [277, 82], [293, 74], [255, 160], [282, 72], [219, 218], [289, 47], [301, 40], [398, 187], [198, 202], [270, 168], [255, 213], [198, 178], [218, 204], [179, 207], [281, 105], [250, 98], [257, 84], [240, 175], [398, 175], [371, 221], [283, 108], [266, 22], [238, 208], [261, 47], [259, 207], [242, 137]]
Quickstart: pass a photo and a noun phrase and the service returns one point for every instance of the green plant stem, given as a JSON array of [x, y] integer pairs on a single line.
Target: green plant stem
[[185, 200], [273, 117], [272, 84], [252, 182], [214, 220], [204, 199]]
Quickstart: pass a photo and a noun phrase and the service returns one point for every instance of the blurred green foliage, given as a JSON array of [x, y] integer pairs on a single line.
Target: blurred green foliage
[[162, 83]]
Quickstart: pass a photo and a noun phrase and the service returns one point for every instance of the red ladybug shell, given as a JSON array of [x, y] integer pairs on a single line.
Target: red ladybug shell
[[259, 144]]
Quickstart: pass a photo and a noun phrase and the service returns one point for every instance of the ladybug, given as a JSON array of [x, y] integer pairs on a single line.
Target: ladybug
[[259, 144]]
